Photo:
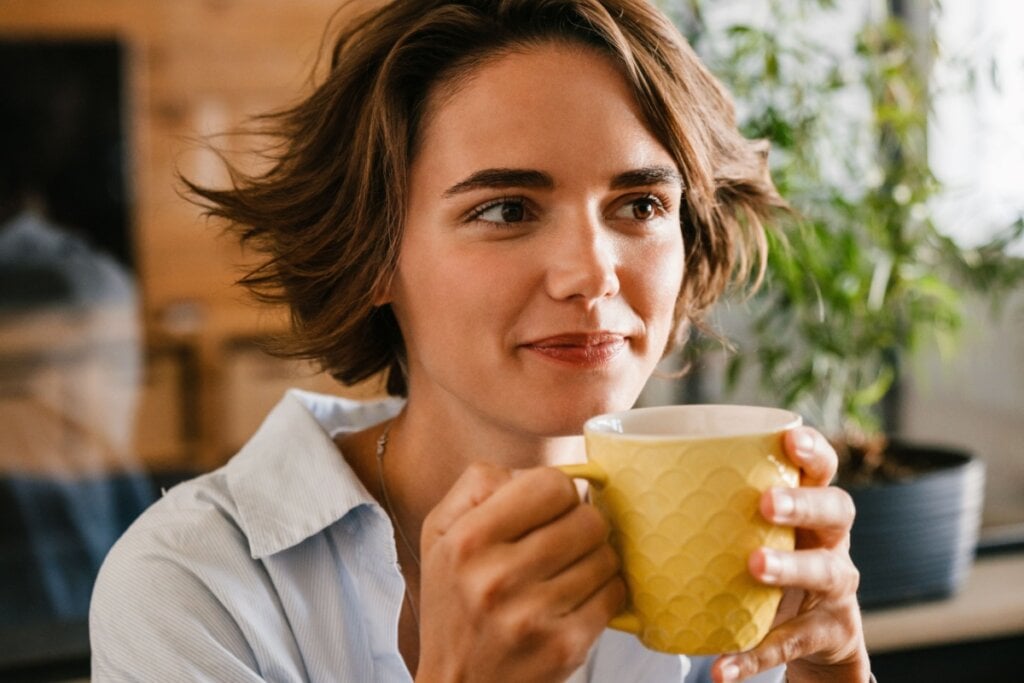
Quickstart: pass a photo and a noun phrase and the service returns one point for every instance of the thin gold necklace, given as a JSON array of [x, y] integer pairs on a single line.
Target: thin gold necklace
[[382, 444]]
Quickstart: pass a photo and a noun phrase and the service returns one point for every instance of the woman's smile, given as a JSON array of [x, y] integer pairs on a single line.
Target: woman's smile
[[580, 349]]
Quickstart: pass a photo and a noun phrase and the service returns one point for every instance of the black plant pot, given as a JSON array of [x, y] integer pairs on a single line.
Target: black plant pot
[[914, 538]]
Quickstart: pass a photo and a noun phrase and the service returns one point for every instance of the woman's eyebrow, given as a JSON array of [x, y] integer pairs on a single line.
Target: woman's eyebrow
[[648, 175], [496, 178], [490, 178]]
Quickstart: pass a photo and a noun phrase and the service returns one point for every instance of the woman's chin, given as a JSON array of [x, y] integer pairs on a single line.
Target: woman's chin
[[567, 417]]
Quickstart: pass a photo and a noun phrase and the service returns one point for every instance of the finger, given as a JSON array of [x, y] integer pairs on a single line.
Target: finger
[[584, 624], [504, 569], [825, 572], [478, 483], [531, 499], [812, 452], [569, 589], [795, 639], [793, 599], [552, 548], [829, 510]]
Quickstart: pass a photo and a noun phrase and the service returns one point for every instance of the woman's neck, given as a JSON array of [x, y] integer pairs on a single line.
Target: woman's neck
[[426, 453]]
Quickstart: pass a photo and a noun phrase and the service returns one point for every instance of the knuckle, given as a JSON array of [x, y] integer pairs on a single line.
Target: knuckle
[[851, 507], [853, 579], [833, 577], [760, 659], [838, 575], [848, 507], [462, 544], [850, 618], [781, 649], [523, 627], [789, 648], [801, 506], [485, 591], [569, 647], [825, 451]]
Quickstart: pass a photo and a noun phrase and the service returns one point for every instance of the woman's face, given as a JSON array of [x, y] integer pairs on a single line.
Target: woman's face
[[542, 254]]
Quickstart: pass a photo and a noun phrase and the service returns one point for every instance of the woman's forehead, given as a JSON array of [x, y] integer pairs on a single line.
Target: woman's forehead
[[549, 107]]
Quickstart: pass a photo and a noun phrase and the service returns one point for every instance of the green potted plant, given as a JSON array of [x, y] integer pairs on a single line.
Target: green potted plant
[[859, 278]]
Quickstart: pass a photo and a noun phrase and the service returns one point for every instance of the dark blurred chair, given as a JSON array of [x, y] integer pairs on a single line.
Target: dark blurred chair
[[70, 484]]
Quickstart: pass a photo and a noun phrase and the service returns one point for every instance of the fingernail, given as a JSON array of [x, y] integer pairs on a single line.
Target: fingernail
[[782, 505], [804, 444], [730, 672], [772, 566]]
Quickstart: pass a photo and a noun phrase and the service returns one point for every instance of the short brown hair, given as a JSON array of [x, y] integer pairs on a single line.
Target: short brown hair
[[328, 215]]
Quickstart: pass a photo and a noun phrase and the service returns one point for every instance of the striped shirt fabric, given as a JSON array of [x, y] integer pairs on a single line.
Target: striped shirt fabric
[[280, 566]]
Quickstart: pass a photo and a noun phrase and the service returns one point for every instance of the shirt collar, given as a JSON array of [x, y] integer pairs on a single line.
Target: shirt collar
[[290, 481]]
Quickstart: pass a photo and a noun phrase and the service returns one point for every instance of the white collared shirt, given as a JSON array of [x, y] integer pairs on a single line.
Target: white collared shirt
[[280, 566]]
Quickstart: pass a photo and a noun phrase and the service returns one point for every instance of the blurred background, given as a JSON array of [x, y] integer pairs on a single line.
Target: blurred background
[[129, 360]]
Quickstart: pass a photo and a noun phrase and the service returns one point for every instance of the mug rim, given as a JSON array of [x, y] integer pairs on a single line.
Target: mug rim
[[604, 425]]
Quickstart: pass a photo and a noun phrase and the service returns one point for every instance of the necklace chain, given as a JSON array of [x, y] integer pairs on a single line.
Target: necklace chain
[[382, 445]]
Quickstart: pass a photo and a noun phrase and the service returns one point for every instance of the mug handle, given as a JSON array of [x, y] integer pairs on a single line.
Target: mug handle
[[624, 621]]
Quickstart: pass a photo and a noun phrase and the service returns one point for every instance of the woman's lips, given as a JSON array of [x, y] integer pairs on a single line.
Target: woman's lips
[[581, 350]]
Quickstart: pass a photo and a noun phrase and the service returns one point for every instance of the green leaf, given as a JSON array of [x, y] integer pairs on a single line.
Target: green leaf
[[875, 391], [853, 276]]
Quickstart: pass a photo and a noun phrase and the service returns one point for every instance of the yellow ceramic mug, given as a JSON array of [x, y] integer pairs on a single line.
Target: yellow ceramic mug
[[680, 487]]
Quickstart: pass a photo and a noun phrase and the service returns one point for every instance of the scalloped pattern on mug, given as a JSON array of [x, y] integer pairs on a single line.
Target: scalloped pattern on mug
[[686, 519]]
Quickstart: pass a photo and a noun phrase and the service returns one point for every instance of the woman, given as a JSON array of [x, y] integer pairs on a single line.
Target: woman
[[514, 209]]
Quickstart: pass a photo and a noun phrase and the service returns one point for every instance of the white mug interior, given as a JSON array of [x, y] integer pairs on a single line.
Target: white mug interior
[[693, 421]]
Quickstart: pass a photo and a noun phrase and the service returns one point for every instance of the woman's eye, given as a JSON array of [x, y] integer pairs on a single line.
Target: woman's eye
[[505, 211], [641, 209]]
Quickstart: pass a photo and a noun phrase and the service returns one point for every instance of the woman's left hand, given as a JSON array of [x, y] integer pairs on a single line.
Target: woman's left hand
[[817, 632]]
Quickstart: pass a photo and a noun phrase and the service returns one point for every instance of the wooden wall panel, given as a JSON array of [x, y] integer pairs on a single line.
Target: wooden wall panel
[[196, 67]]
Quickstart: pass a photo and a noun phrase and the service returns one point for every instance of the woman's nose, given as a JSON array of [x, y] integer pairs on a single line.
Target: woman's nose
[[583, 262]]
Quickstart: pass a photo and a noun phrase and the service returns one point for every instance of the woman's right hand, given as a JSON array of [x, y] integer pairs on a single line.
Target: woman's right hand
[[518, 579]]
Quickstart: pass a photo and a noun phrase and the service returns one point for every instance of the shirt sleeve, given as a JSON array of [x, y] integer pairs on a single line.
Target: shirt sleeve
[[146, 623], [179, 598], [152, 618]]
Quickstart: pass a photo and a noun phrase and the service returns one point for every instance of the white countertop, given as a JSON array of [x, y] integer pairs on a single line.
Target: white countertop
[[990, 605]]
